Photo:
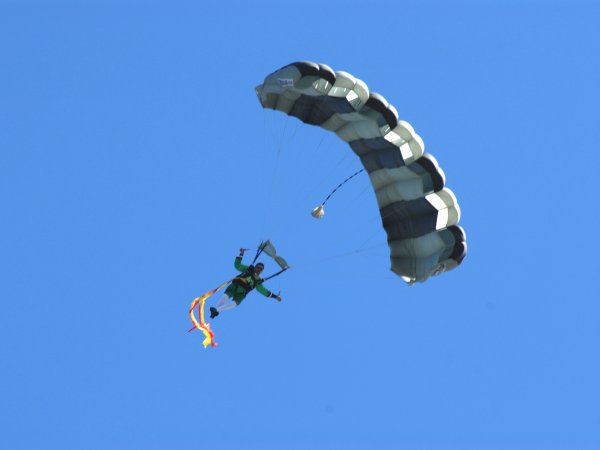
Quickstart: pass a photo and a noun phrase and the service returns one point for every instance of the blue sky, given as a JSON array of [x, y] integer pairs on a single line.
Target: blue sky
[[135, 160]]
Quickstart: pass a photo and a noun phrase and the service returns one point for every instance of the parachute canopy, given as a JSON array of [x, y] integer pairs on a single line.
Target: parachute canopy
[[419, 214]]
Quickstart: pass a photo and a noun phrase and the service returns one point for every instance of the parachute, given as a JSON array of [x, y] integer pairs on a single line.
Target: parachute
[[419, 214]]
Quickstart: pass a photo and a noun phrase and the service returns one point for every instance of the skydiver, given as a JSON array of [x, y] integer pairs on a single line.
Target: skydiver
[[242, 285]]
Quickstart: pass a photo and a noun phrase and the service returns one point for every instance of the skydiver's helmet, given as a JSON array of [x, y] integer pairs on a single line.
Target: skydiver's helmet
[[258, 268]]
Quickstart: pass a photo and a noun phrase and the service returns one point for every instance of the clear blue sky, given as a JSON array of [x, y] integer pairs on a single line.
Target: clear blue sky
[[135, 160]]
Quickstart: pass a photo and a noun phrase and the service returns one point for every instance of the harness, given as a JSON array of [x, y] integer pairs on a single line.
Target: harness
[[246, 279]]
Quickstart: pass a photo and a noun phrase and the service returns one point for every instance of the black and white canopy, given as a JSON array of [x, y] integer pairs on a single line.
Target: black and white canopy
[[419, 214]]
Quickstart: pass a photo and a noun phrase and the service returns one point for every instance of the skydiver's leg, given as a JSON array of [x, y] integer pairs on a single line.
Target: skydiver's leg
[[225, 306], [222, 300], [230, 300], [222, 305]]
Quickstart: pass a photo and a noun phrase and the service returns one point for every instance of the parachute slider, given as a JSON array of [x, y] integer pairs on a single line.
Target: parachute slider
[[318, 212]]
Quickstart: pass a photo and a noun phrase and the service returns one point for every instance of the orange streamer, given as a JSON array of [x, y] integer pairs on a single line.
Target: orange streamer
[[200, 323]]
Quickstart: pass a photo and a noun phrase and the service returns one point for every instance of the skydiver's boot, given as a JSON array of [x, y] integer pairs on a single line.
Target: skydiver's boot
[[213, 312]]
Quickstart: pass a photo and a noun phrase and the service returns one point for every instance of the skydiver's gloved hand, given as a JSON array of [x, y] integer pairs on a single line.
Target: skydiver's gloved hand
[[276, 297], [242, 250]]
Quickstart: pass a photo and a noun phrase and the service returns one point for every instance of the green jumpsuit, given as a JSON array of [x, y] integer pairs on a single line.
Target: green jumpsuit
[[248, 280]]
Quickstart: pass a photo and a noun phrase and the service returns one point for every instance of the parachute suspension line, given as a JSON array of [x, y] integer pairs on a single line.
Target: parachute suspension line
[[272, 181], [279, 145], [275, 274], [359, 251], [361, 248], [308, 152], [296, 128], [319, 211], [315, 173], [319, 144], [374, 233], [279, 141], [259, 250]]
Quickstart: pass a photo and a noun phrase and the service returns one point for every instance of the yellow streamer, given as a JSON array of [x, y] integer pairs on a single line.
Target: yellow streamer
[[201, 324]]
